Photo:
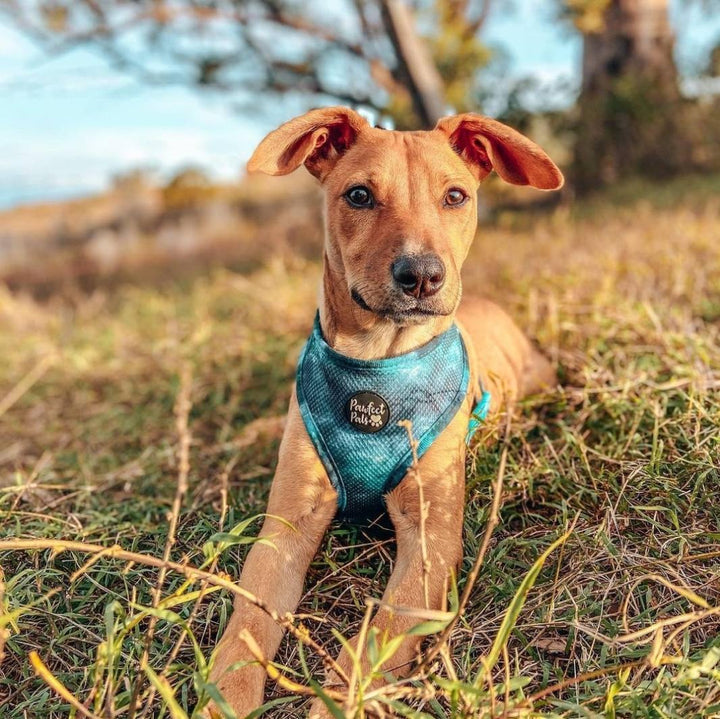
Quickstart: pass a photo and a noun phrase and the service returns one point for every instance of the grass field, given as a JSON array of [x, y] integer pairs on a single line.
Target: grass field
[[132, 407]]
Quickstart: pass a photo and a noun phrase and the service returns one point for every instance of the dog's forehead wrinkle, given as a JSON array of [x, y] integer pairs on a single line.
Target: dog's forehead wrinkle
[[417, 180]]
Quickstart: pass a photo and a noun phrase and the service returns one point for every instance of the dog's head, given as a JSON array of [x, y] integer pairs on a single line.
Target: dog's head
[[401, 207]]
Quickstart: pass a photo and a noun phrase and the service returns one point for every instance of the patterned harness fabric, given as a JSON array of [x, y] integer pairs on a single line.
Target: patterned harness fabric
[[351, 409]]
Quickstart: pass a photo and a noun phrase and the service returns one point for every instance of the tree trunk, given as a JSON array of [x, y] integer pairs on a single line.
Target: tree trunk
[[630, 103], [416, 68]]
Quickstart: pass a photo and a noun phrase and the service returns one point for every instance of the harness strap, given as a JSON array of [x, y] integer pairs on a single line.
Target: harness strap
[[479, 413]]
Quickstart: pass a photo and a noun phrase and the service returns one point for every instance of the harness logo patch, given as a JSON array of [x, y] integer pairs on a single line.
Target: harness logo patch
[[367, 411]]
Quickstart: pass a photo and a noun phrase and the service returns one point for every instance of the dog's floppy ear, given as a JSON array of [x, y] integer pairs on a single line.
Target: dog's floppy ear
[[488, 145], [316, 139]]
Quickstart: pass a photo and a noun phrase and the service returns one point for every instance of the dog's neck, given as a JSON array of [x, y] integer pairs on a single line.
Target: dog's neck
[[355, 332]]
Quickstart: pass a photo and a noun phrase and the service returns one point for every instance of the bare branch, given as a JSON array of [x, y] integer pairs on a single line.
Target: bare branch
[[229, 46]]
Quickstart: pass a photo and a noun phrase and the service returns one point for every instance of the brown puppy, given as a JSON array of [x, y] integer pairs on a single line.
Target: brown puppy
[[390, 197]]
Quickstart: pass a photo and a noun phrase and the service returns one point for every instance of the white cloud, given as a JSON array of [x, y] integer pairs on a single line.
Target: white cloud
[[84, 161], [37, 82]]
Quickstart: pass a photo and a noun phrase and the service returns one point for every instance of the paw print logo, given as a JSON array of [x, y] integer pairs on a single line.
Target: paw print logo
[[367, 412]]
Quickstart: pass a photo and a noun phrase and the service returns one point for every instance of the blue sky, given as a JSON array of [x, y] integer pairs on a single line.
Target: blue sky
[[69, 123]]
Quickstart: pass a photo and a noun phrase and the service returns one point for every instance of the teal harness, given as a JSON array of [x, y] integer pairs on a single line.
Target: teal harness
[[351, 409]]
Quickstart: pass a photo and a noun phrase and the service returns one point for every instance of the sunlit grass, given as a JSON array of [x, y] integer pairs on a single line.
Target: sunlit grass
[[624, 297]]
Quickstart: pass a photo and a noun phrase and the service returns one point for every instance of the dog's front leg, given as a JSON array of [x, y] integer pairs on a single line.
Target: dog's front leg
[[427, 551], [302, 504]]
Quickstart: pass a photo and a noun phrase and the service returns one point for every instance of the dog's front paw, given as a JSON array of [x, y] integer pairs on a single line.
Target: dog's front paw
[[241, 689]]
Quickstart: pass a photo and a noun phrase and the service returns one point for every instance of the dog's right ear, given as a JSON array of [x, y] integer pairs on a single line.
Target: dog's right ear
[[316, 139]]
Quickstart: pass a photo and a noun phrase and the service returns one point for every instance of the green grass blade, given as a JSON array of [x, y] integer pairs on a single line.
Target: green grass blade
[[515, 607], [331, 704], [165, 691]]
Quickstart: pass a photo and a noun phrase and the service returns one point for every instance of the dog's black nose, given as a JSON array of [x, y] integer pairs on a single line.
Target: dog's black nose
[[419, 275]]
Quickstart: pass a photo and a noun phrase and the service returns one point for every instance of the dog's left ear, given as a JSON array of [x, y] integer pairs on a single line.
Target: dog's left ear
[[488, 145], [316, 139]]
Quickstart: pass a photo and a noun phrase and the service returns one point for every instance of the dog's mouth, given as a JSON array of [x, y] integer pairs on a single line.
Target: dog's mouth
[[358, 300], [405, 312]]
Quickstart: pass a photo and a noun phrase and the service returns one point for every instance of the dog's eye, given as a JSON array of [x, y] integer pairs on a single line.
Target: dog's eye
[[360, 196], [455, 198]]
